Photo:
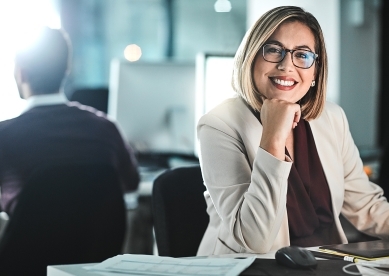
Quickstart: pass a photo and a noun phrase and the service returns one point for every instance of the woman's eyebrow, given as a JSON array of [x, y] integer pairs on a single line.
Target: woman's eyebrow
[[303, 47], [276, 42]]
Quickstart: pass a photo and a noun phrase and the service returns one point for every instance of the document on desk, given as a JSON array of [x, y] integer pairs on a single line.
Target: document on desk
[[155, 265]]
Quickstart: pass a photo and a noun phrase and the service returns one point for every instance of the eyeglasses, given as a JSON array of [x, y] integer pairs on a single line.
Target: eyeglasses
[[300, 58]]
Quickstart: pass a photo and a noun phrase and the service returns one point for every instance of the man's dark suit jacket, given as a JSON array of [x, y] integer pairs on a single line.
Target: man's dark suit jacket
[[56, 134]]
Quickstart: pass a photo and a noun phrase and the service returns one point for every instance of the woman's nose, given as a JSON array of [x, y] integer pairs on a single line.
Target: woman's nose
[[286, 63]]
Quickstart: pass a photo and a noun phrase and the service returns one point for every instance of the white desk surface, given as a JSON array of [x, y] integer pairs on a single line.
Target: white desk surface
[[70, 270], [78, 270]]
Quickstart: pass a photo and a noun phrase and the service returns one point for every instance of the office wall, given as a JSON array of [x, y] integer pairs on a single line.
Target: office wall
[[101, 29], [197, 27], [359, 70]]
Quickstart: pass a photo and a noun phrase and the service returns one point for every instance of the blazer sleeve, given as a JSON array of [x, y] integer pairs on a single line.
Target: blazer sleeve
[[364, 204], [249, 198]]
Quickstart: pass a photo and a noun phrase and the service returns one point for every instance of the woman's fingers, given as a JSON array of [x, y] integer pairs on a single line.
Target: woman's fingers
[[297, 117], [278, 118], [281, 112]]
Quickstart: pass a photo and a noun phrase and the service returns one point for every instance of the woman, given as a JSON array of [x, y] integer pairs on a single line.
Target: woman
[[279, 162]]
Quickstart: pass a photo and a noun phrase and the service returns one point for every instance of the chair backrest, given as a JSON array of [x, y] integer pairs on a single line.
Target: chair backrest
[[94, 97], [65, 215], [179, 211]]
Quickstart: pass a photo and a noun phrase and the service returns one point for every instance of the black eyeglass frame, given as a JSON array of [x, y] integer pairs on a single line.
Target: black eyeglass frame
[[285, 51]]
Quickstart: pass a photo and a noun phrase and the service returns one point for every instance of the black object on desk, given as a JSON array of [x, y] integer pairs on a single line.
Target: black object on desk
[[327, 256], [267, 267], [295, 257], [368, 249]]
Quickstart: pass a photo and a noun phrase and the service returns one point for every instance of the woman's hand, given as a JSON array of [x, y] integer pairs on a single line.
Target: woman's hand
[[278, 118]]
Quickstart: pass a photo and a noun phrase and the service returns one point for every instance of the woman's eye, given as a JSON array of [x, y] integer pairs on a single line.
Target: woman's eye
[[274, 50], [301, 55]]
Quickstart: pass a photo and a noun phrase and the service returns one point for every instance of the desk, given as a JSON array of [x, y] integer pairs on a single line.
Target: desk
[[77, 269], [264, 265], [260, 267], [70, 270]]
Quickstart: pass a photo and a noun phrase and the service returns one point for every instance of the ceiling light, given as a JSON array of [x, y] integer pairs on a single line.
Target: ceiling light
[[222, 6]]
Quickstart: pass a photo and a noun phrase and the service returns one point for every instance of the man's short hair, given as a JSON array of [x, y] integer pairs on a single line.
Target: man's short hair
[[46, 61]]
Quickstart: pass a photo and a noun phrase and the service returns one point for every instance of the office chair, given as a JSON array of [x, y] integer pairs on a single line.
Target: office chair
[[94, 97], [65, 215], [179, 211]]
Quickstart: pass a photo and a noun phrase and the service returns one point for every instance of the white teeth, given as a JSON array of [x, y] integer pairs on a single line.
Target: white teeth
[[283, 82]]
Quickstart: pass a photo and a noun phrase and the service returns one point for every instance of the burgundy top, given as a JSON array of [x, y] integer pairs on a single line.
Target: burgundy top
[[308, 204]]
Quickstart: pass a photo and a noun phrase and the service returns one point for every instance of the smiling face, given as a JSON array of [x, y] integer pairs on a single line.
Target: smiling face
[[283, 80]]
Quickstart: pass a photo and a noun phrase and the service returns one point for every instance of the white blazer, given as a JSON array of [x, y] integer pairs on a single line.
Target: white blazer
[[247, 186]]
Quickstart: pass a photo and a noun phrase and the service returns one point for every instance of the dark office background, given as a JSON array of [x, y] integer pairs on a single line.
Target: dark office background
[[179, 29], [164, 29], [384, 73]]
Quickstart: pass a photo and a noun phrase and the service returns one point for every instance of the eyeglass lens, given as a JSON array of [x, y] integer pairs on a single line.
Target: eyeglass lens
[[300, 58]]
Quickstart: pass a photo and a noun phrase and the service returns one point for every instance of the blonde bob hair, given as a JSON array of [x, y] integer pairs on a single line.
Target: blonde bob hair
[[313, 101]]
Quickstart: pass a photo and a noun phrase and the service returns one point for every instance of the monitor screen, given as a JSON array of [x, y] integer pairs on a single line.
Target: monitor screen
[[213, 82], [153, 105]]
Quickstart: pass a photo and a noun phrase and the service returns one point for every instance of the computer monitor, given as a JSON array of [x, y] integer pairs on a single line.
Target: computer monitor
[[213, 83], [153, 105]]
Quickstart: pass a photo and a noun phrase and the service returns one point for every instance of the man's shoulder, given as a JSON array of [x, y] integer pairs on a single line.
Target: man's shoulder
[[85, 108], [11, 123], [71, 114], [90, 112], [4, 124]]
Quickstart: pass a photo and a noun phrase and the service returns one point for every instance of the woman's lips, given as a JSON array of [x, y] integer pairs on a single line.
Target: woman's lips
[[283, 84]]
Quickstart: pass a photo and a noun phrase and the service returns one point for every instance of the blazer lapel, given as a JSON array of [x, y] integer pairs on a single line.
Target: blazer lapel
[[251, 131], [327, 149]]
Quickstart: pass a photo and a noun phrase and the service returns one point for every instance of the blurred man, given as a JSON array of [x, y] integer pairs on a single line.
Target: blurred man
[[53, 130]]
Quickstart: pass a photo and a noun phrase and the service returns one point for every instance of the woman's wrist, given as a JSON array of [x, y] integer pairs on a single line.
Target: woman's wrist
[[274, 147]]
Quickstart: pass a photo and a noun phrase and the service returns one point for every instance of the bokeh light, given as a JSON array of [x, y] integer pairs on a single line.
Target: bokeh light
[[132, 52]]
